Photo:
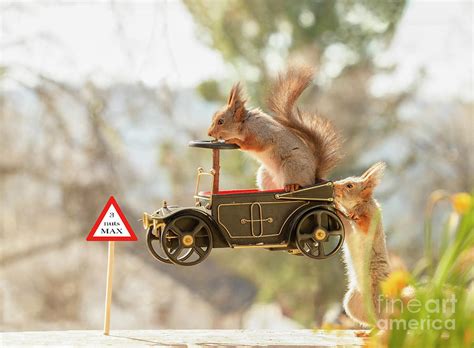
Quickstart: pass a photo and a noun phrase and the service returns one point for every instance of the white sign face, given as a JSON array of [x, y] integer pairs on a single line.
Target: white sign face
[[111, 225]]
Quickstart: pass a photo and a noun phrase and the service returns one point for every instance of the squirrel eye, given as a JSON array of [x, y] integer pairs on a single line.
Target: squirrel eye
[[349, 186], [220, 122]]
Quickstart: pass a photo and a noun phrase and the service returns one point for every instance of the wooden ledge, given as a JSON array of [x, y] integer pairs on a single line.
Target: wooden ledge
[[140, 338]]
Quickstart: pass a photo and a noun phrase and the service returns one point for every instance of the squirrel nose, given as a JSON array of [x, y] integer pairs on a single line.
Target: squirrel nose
[[209, 133]]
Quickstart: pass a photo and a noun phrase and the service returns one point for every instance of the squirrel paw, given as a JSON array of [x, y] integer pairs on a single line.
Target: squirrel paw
[[292, 187]]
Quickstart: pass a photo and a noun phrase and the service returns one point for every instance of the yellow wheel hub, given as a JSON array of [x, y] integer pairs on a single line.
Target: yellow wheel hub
[[319, 234], [187, 240]]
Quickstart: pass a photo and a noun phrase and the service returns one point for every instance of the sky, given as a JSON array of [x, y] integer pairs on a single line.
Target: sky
[[156, 42], [436, 36], [148, 42]]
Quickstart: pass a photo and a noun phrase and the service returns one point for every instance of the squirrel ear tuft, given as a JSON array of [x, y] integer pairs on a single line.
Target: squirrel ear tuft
[[236, 102], [372, 178], [235, 90], [375, 171]]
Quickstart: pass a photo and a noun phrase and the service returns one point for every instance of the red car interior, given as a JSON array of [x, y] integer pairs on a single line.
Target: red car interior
[[233, 192]]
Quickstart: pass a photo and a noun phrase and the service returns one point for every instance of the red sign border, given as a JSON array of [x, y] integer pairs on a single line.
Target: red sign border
[[111, 201]]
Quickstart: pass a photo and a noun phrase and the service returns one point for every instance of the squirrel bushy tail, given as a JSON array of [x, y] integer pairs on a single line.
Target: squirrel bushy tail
[[315, 131]]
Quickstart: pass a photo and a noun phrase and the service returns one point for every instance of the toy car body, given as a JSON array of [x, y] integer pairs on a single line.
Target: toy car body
[[303, 222]]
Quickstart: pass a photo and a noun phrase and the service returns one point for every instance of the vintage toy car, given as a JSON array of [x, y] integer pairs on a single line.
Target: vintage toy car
[[302, 222]]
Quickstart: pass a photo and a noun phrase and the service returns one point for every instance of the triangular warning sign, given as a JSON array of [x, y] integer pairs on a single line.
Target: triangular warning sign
[[111, 225]]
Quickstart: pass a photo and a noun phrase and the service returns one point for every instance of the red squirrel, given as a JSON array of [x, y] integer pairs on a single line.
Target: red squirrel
[[295, 148], [354, 199]]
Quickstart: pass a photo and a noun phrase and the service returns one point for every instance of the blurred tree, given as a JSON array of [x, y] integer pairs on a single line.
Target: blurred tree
[[65, 147], [258, 37], [341, 38]]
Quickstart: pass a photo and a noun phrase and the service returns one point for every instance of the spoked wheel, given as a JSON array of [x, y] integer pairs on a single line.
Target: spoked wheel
[[153, 241], [187, 240], [154, 245], [319, 234]]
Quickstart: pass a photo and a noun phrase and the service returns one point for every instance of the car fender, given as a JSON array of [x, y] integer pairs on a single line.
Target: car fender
[[291, 225], [198, 211]]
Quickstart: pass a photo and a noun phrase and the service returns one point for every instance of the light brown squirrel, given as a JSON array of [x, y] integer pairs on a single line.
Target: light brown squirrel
[[295, 148], [354, 199]]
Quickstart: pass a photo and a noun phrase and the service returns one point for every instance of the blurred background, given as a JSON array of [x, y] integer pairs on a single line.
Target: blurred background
[[102, 98]]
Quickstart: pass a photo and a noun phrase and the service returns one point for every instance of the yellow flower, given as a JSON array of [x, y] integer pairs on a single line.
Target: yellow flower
[[395, 283], [468, 337], [461, 202], [407, 293]]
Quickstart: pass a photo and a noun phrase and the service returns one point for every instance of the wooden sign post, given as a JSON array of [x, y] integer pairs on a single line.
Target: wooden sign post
[[111, 226], [108, 290]]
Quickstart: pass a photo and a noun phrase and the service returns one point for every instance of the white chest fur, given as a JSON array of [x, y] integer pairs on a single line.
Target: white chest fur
[[355, 251], [271, 163]]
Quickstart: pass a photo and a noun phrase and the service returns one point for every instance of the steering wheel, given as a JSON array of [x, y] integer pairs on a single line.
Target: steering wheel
[[213, 144]]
